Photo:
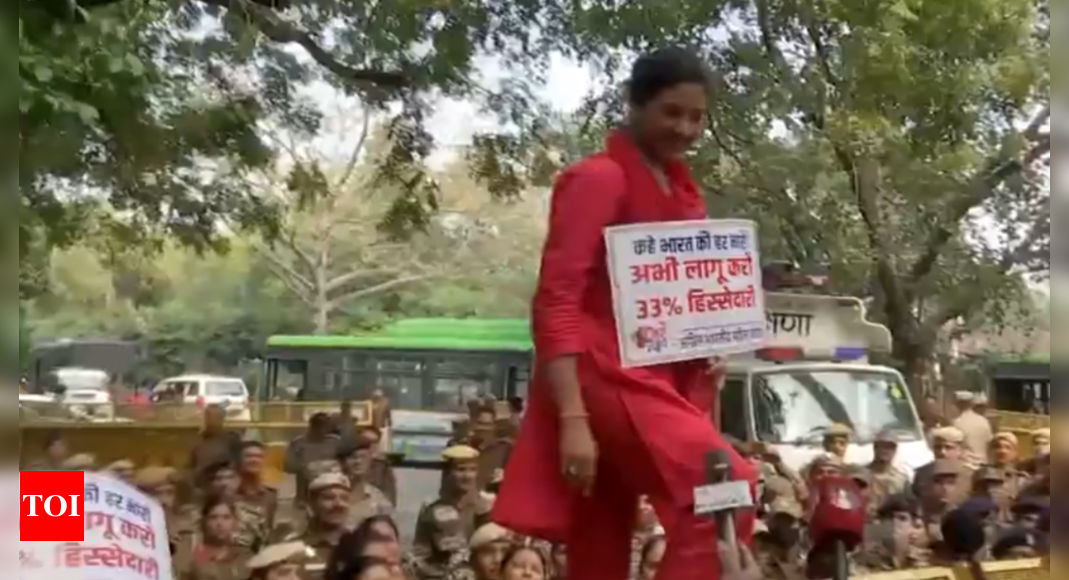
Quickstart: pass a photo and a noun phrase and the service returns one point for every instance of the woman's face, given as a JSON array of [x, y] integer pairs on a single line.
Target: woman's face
[[285, 572], [1005, 452], [525, 565], [488, 560], [220, 523], [380, 572], [385, 530], [652, 562], [668, 125]]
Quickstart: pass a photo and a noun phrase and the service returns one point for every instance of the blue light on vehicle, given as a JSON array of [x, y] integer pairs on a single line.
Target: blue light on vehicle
[[850, 353]]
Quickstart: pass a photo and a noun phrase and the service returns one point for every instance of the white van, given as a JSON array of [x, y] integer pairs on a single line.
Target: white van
[[203, 390], [814, 373]]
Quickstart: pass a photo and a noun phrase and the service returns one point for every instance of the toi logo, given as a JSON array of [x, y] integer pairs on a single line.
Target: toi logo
[[52, 506]]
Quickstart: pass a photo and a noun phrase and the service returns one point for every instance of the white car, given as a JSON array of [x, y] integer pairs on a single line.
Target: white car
[[229, 393], [86, 393]]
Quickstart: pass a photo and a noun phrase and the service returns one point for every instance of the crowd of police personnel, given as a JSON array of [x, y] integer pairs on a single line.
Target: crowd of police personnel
[[225, 523]]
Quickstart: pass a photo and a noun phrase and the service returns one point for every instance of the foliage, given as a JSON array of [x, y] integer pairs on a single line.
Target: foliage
[[900, 142], [150, 110]]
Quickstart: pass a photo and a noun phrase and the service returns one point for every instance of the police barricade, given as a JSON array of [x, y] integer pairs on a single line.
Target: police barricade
[[1031, 569], [165, 434]]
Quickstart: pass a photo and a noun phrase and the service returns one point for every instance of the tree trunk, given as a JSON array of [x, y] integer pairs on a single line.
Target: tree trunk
[[920, 367]]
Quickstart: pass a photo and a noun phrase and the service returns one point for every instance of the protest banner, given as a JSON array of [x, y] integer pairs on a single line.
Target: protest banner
[[125, 539], [686, 290]]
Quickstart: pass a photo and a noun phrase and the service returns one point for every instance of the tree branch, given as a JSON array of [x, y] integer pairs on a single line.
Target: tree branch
[[290, 274], [358, 150], [279, 30], [336, 303], [983, 186]]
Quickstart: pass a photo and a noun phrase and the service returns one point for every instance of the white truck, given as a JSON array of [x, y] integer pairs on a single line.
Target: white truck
[[814, 373]]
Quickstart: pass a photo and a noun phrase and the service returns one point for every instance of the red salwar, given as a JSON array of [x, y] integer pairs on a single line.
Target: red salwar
[[652, 425]]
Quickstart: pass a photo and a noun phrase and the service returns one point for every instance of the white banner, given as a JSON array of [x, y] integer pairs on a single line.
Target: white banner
[[686, 290], [125, 539]]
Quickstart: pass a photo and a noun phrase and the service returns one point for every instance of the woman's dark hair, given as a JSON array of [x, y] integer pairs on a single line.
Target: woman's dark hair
[[348, 556], [518, 549], [352, 566], [367, 527], [650, 545], [213, 502], [663, 69]]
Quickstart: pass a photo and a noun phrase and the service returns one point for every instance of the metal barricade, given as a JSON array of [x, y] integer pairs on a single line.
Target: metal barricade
[[1033, 569], [165, 434]]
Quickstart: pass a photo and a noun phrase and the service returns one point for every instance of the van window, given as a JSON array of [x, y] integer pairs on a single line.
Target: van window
[[225, 389], [733, 408]]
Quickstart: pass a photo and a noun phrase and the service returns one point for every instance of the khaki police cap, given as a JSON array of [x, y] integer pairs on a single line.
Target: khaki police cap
[[80, 461], [949, 435], [965, 396], [988, 474], [152, 477], [839, 430], [1041, 434], [980, 399], [1007, 437], [887, 437], [328, 481], [488, 535], [945, 467], [288, 553], [460, 453], [786, 506], [121, 465]]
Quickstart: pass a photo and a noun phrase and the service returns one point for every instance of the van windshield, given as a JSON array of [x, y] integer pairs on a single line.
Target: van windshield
[[798, 407]]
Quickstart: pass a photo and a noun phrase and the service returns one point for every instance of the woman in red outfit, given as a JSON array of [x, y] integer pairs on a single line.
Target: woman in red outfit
[[597, 436]]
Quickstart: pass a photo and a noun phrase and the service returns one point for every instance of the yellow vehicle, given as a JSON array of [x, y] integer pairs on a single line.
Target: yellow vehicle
[[164, 434]]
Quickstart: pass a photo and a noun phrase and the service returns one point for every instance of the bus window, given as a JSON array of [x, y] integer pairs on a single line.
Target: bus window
[[732, 408], [290, 377]]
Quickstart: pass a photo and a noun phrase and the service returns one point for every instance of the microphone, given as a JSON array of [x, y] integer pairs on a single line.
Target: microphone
[[719, 497], [837, 520]]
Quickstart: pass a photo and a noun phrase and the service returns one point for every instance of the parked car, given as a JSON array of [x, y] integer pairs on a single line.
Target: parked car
[[229, 393], [85, 393]]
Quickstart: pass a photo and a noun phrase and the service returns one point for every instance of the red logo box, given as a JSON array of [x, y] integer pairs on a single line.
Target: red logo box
[[53, 506]]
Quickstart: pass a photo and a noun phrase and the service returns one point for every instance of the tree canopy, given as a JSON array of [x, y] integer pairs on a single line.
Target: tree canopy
[[905, 144]]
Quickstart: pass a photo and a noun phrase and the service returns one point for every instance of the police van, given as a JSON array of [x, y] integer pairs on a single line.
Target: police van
[[813, 373]]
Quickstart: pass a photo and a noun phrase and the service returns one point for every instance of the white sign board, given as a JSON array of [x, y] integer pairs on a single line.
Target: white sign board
[[686, 290], [720, 497], [125, 539]]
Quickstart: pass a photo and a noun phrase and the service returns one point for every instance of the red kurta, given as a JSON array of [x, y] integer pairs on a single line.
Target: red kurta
[[652, 425]]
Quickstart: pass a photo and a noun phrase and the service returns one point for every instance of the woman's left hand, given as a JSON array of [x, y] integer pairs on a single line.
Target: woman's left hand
[[718, 366]]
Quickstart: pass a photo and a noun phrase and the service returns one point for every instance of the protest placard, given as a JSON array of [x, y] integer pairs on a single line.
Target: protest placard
[[125, 539], [686, 290]]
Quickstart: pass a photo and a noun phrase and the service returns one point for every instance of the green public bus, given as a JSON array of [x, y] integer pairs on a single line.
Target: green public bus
[[424, 364]]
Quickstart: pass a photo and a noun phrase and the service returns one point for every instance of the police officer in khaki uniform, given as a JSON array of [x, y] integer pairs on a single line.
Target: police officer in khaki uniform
[[123, 470], [947, 444], [223, 482], [161, 484], [893, 541], [975, 427], [1005, 457], [884, 478], [382, 474], [319, 443], [280, 562], [779, 550], [328, 516], [941, 495], [252, 490], [367, 500], [836, 443], [460, 490], [216, 555], [487, 549]]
